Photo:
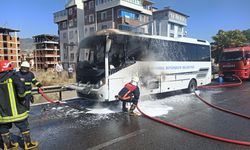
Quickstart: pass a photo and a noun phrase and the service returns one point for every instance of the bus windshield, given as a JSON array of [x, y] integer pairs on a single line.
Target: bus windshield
[[92, 49], [231, 56], [91, 60]]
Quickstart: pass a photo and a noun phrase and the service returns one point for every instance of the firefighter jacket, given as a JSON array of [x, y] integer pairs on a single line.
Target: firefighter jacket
[[12, 95], [28, 78], [129, 92]]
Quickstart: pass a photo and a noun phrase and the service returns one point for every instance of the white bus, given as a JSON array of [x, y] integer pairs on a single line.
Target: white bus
[[109, 59]]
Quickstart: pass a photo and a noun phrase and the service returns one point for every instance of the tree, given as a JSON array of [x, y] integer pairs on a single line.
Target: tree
[[226, 39], [247, 34]]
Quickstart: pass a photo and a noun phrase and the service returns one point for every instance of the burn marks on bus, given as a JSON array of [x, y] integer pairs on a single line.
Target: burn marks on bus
[[90, 64]]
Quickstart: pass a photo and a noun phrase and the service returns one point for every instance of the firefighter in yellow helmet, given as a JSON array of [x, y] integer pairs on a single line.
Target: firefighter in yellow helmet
[[28, 78], [130, 93], [12, 110]]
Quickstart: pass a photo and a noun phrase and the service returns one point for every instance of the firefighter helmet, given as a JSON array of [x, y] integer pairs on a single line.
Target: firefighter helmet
[[135, 80], [25, 64], [5, 65]]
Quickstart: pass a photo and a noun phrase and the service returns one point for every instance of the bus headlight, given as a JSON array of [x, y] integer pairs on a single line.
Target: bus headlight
[[99, 84]]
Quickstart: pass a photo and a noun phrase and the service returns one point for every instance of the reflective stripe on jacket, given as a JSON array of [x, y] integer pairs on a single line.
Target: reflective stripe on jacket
[[11, 109], [28, 79]]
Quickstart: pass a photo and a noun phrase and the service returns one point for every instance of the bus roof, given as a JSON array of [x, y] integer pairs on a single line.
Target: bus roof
[[243, 48], [182, 39]]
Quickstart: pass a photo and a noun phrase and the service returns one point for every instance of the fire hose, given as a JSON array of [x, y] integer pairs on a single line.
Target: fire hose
[[247, 143], [220, 108], [196, 132], [180, 127], [40, 90]]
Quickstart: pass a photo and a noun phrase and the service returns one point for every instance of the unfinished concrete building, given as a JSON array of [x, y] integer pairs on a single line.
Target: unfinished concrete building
[[9, 45], [46, 50]]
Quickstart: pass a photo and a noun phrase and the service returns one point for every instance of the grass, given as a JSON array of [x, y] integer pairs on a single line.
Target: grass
[[51, 78]]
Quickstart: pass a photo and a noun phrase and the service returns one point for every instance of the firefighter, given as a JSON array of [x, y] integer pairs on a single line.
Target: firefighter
[[28, 78], [12, 110], [130, 93]]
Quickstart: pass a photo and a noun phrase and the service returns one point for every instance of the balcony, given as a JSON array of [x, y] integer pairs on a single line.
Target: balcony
[[51, 55], [60, 16], [125, 3], [47, 49]]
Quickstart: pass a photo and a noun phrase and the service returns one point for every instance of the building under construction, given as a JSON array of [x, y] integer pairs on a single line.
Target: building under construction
[[9, 45], [46, 50]]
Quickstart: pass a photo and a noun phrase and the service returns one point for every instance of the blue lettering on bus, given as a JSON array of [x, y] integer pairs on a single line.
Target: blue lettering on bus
[[172, 67]]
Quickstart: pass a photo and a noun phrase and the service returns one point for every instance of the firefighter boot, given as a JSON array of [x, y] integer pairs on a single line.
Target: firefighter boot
[[28, 144], [8, 144], [124, 109], [131, 110]]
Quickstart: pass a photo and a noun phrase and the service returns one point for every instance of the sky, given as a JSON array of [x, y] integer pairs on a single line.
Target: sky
[[206, 17]]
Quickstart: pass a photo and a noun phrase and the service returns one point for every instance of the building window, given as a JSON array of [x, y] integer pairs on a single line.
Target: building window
[[64, 24], [11, 57], [71, 35], [91, 30], [104, 15], [65, 35], [125, 27], [72, 56], [91, 5], [128, 14], [71, 23], [137, 2], [179, 28], [70, 11], [75, 22], [104, 26], [142, 18], [171, 26], [91, 18], [65, 56], [171, 35]]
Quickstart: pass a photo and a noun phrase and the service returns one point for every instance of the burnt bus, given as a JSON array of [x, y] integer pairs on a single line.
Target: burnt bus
[[108, 59]]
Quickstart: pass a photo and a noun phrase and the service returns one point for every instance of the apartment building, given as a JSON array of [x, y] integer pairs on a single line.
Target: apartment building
[[81, 18], [9, 45], [70, 29], [46, 50], [170, 23], [128, 15]]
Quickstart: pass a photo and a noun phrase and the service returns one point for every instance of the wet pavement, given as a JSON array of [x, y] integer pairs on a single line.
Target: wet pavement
[[88, 125]]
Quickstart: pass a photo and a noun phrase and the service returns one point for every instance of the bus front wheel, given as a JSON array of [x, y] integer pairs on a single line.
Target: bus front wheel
[[191, 86]]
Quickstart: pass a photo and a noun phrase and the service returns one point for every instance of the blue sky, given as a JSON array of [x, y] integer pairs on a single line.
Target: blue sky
[[34, 17]]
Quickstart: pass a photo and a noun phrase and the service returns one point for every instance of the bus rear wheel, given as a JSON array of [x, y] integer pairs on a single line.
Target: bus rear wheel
[[191, 86]]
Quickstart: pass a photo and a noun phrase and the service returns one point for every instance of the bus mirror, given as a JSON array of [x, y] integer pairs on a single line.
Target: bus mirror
[[108, 44]]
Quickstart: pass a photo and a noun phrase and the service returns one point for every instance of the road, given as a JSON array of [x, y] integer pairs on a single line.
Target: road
[[88, 125]]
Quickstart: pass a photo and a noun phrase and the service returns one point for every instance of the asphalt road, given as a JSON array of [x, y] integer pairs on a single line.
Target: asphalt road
[[77, 126]]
